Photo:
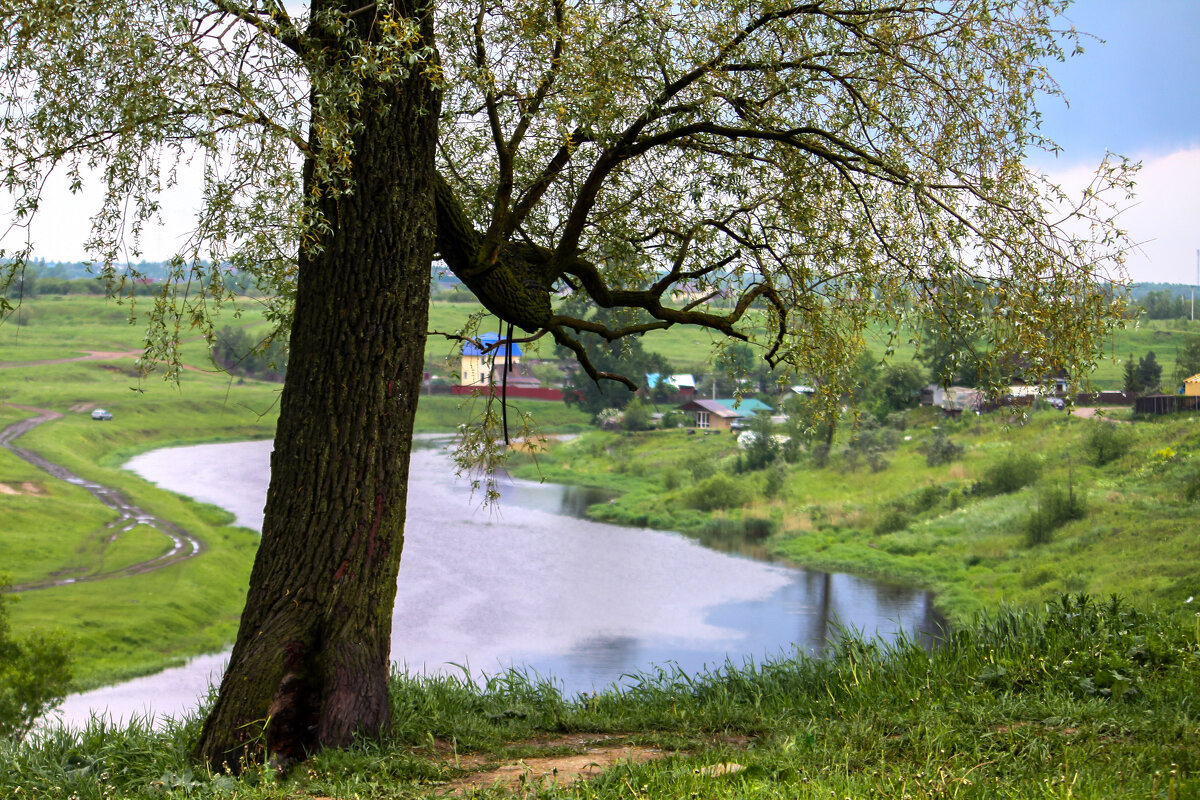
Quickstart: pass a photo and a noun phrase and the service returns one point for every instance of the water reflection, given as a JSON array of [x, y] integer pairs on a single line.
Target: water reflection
[[530, 585]]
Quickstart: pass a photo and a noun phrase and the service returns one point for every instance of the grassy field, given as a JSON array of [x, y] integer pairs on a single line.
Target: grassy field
[[157, 619], [1083, 699], [930, 526], [128, 626]]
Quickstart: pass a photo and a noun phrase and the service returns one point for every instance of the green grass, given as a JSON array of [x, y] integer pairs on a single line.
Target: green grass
[[1080, 699], [133, 625], [823, 518], [929, 526]]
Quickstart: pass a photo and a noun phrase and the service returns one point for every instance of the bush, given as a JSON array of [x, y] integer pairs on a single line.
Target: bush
[[894, 519], [1014, 471], [1191, 488], [1105, 443], [675, 419], [719, 491], [776, 480], [941, 450], [34, 675], [1055, 508], [22, 315], [701, 469], [637, 417]]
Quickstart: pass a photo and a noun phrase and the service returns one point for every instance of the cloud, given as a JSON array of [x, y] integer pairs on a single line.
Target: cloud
[[1164, 217]]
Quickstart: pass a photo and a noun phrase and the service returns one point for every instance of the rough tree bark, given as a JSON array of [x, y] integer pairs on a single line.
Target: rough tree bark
[[311, 662]]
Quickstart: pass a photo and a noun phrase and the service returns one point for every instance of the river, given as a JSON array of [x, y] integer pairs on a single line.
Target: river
[[528, 585]]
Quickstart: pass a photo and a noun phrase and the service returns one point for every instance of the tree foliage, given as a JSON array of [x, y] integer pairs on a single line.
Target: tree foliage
[[35, 672], [618, 151], [825, 165], [1149, 372], [1187, 359]]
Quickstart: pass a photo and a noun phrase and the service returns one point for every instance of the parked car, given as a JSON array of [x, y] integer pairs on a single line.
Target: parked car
[[101, 414]]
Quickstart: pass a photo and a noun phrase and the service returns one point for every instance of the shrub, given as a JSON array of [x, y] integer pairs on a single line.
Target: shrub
[[926, 498], [894, 519], [941, 450], [757, 528], [1104, 443], [675, 419], [637, 417], [1191, 488], [1055, 508], [702, 469], [776, 479], [1014, 471], [719, 491], [34, 675]]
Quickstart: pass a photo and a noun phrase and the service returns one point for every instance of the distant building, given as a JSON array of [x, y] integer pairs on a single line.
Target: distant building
[[953, 399], [682, 386], [479, 362], [722, 414], [1191, 386]]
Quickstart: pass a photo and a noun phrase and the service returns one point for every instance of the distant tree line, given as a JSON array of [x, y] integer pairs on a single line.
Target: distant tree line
[[1167, 304]]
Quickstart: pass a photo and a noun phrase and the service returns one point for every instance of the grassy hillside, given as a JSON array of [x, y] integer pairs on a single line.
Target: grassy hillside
[[132, 625], [822, 517], [937, 526]]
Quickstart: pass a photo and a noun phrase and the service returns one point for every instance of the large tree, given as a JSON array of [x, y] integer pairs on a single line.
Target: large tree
[[779, 172]]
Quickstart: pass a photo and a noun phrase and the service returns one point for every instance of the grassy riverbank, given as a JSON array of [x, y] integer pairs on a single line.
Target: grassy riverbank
[[127, 626], [1085, 700], [947, 526]]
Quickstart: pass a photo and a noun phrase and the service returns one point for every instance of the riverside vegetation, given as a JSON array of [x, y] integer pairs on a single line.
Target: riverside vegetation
[[982, 509], [1083, 699], [1072, 698]]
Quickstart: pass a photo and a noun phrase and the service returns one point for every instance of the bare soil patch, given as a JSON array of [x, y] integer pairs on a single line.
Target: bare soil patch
[[1087, 412], [26, 487], [594, 754]]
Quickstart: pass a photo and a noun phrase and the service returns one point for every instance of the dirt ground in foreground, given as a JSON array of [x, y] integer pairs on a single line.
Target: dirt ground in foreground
[[593, 754]]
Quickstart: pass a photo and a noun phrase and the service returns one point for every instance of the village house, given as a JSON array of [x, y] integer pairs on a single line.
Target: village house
[[478, 363], [682, 386], [724, 414], [1191, 386]]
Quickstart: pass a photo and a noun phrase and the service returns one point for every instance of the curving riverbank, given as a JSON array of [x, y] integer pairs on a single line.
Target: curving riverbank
[[521, 586], [129, 516]]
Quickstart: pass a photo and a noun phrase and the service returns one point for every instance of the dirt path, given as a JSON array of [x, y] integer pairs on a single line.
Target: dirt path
[[129, 516], [1087, 412], [94, 355]]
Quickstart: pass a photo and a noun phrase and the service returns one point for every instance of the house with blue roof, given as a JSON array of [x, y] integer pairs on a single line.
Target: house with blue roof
[[478, 360]]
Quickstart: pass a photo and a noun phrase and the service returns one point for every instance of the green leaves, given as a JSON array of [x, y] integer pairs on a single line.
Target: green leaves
[[34, 675]]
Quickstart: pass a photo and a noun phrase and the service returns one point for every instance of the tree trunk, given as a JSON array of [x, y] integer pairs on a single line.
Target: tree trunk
[[311, 663]]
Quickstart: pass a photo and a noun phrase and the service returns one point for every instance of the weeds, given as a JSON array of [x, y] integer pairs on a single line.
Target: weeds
[[1082, 698]]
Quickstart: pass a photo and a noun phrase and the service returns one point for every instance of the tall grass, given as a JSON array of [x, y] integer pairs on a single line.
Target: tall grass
[[1083, 698]]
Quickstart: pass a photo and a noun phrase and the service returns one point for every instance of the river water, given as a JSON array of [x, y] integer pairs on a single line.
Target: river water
[[528, 585]]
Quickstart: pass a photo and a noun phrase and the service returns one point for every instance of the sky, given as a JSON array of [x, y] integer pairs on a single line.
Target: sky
[[1135, 91]]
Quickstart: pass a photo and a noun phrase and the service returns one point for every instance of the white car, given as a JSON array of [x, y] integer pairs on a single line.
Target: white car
[[101, 414]]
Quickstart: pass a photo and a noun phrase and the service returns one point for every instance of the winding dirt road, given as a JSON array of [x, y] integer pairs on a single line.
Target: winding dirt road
[[129, 516]]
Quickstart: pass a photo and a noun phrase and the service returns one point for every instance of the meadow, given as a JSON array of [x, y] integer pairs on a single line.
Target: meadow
[[132, 625], [878, 507], [1057, 696], [160, 618]]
